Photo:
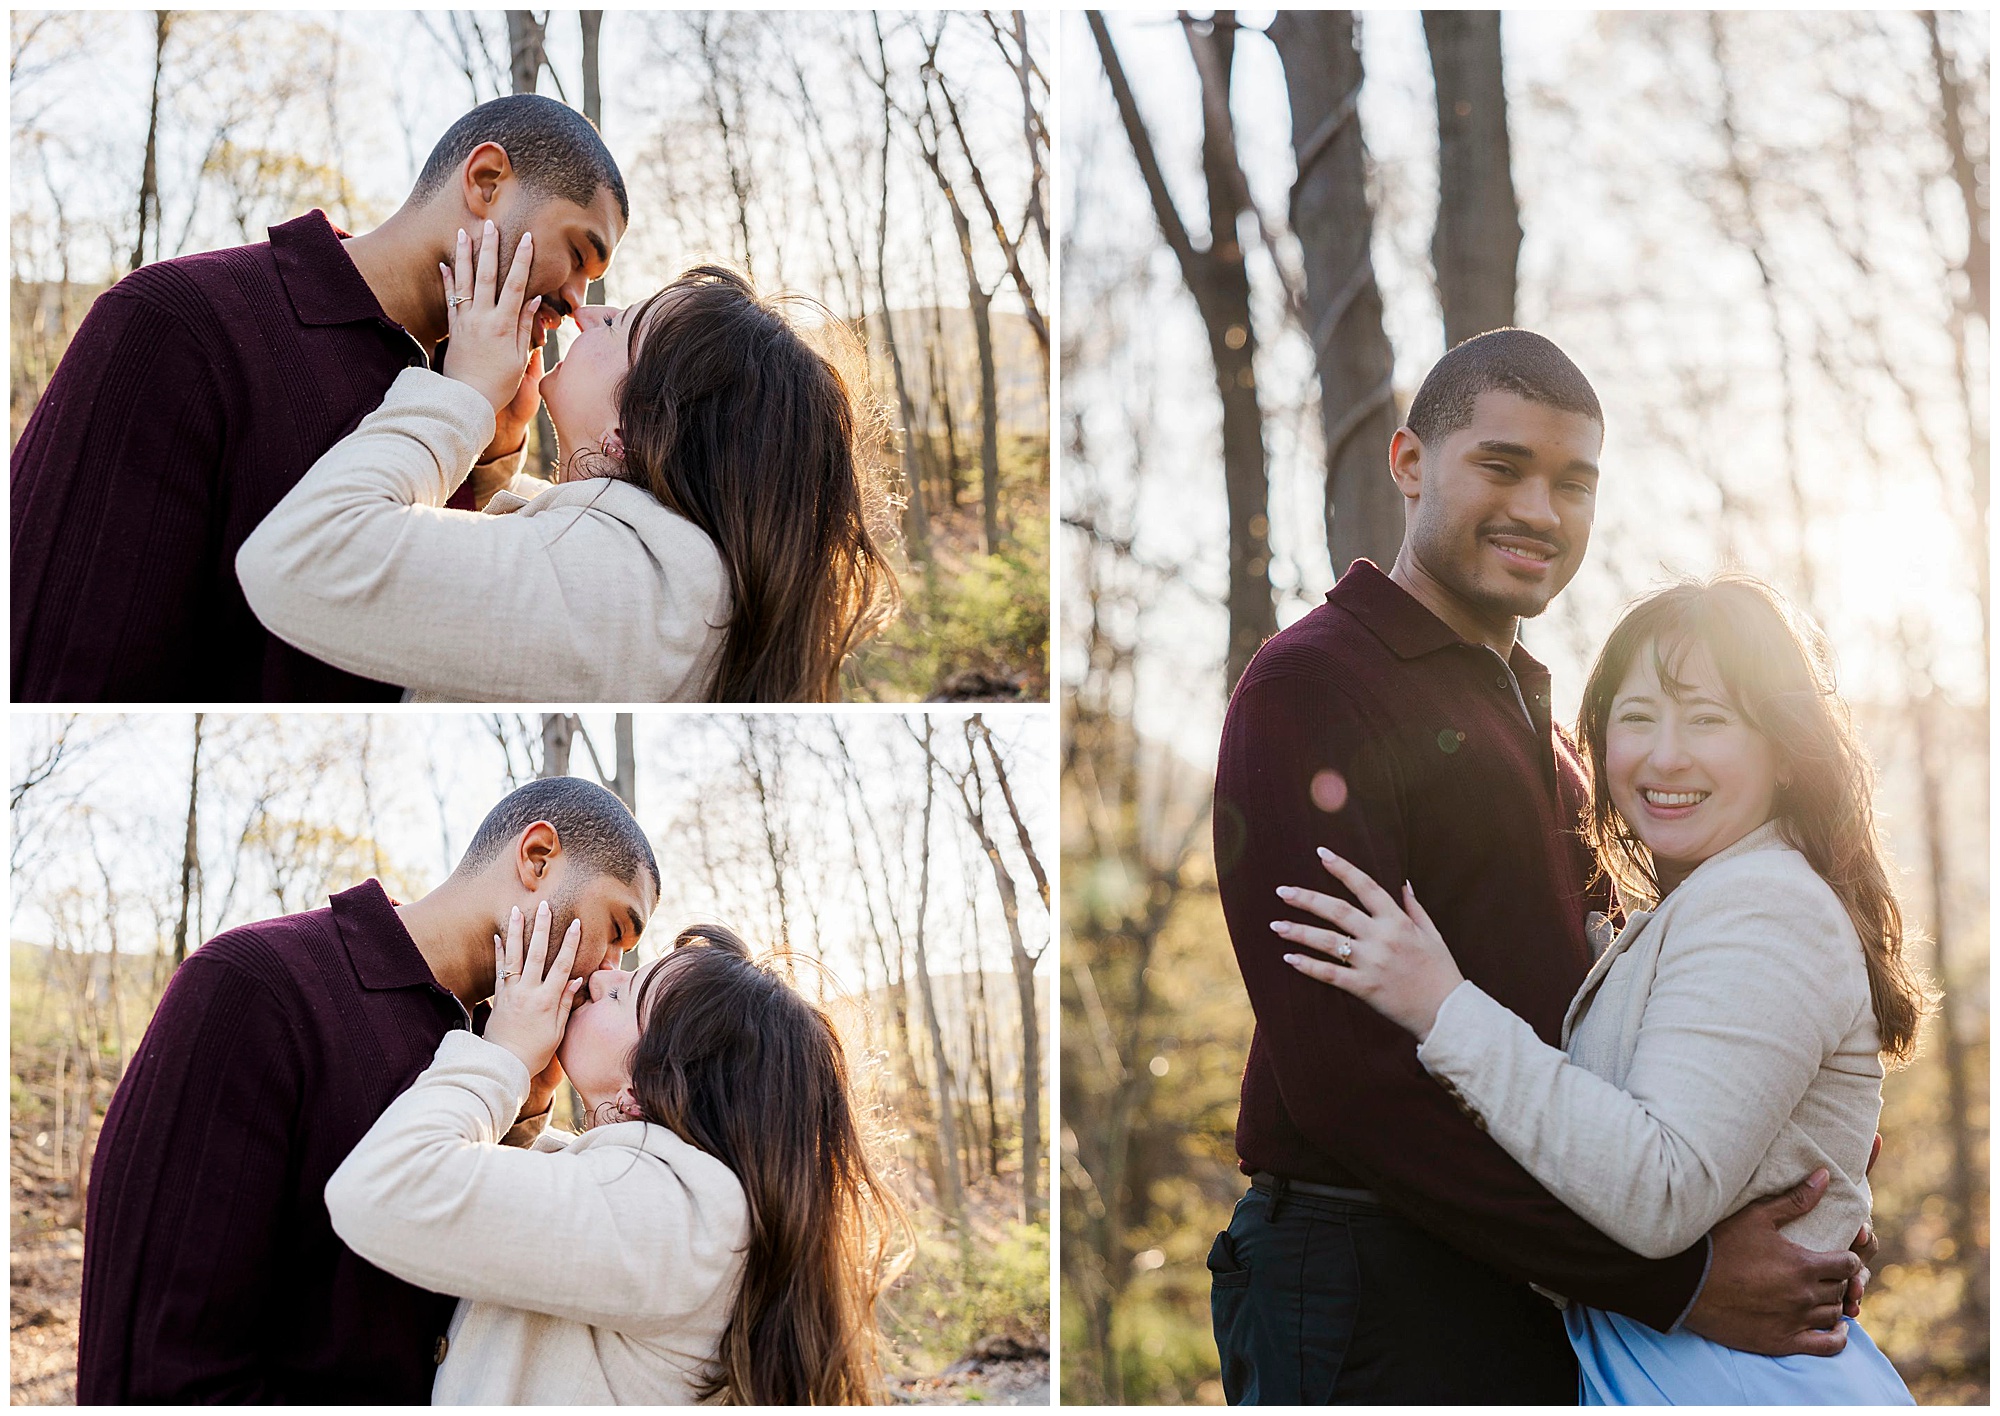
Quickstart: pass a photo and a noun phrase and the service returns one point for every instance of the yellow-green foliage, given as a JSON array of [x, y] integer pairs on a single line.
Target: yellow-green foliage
[[952, 1297], [969, 611]]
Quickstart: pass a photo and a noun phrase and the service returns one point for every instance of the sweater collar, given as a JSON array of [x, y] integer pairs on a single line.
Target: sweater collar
[[381, 949], [1405, 627], [321, 279]]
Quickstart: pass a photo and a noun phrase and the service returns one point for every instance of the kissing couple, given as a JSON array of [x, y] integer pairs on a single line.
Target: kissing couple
[[1569, 1053], [292, 471], [327, 1175]]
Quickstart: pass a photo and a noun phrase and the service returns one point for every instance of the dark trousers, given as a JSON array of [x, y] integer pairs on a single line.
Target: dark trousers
[[1319, 1301]]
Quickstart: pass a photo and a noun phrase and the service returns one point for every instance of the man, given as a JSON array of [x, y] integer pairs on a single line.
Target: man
[[211, 1270], [1385, 1249], [199, 390]]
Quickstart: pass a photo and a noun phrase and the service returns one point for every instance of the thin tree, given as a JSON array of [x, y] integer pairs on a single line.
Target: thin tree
[[1343, 305], [978, 297], [1478, 237], [149, 180], [1219, 280], [953, 1196], [190, 850], [972, 795]]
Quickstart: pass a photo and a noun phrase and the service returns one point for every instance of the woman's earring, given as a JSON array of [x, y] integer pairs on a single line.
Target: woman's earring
[[628, 1106], [613, 445]]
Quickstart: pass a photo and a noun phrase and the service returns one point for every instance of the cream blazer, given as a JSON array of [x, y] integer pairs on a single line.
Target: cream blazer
[[590, 592], [592, 1270], [1722, 1048]]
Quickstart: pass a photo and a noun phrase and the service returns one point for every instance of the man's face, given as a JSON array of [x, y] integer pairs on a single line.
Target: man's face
[[573, 246], [1504, 505], [613, 912]]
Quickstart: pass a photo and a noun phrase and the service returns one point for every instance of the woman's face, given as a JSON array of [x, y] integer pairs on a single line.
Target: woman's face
[[582, 390], [597, 1043], [1689, 775]]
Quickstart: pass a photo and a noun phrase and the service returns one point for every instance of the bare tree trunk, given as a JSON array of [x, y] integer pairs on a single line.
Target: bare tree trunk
[[626, 782], [1965, 172], [190, 854], [558, 732], [1751, 234], [1330, 213], [1478, 237], [592, 23], [527, 41], [953, 1198], [1977, 269], [526, 49], [1964, 1186], [980, 299], [916, 514], [149, 181], [1026, 992], [1220, 283]]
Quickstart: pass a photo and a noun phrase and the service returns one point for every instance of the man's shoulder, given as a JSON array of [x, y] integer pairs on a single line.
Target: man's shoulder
[[276, 953], [1326, 650], [191, 287]]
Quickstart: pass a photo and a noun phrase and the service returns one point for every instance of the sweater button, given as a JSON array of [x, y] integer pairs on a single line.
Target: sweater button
[[1499, 680], [437, 1353]]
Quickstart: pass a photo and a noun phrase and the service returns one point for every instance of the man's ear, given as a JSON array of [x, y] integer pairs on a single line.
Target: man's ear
[[538, 848], [1406, 463], [486, 171]]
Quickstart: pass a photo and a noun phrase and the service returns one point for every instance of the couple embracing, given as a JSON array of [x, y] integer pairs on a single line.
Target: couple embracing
[[293, 471], [1569, 1056], [328, 1176]]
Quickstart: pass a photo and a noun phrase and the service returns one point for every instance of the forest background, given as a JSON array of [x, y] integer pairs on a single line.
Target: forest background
[[906, 854], [1765, 239], [891, 165]]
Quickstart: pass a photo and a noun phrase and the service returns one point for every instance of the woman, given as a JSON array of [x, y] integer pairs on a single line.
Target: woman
[[716, 1233], [711, 536], [1729, 1040]]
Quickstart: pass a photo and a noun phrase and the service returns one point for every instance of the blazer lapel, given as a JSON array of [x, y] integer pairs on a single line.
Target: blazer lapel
[[1634, 924]]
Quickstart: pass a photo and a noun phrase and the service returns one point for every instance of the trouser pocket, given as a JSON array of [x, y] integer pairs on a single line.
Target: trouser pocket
[[1229, 1283], [1284, 1299]]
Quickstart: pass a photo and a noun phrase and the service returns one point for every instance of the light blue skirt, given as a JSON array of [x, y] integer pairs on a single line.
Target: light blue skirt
[[1625, 1363]]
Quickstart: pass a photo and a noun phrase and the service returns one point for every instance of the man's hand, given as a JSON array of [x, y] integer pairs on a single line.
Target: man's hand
[[541, 1091], [510, 422], [1767, 1295], [1865, 1244]]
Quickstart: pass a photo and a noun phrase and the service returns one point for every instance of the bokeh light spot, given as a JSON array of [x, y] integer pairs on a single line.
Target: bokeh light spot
[[1449, 739], [1329, 790]]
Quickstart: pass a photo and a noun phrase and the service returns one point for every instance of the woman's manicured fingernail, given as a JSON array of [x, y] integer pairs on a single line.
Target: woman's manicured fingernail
[[542, 908], [1279, 926], [1285, 892], [1292, 959], [516, 914]]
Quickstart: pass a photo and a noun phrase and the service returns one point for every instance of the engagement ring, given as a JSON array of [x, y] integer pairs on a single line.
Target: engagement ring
[[1344, 950], [460, 301]]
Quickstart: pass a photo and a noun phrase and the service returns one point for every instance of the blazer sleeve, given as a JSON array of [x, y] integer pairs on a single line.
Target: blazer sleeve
[[183, 1260], [609, 1236], [1348, 1076], [361, 562], [1739, 1019]]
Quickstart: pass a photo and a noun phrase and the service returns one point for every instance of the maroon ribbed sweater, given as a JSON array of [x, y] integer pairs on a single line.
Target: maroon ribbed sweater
[[1427, 771], [195, 394], [211, 1272]]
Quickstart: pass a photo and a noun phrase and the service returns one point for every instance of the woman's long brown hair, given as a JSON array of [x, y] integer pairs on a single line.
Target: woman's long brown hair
[[730, 418], [1777, 670], [736, 1062]]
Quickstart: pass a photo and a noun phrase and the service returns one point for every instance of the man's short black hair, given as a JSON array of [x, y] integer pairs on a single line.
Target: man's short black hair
[[591, 824], [1511, 360], [554, 150]]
